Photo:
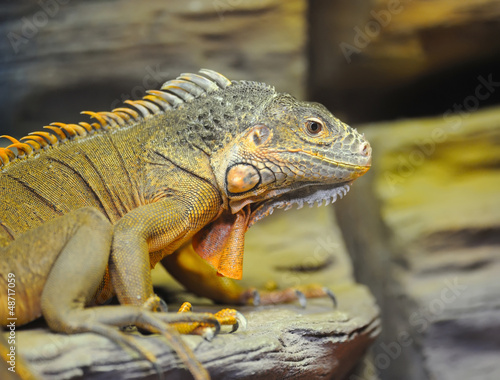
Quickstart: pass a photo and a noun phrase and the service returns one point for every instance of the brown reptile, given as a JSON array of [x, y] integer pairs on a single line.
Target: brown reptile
[[88, 209]]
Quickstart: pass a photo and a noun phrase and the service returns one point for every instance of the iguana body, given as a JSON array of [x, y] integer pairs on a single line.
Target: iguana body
[[92, 208]]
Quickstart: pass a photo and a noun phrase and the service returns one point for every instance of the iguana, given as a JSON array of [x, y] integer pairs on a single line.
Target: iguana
[[88, 209]]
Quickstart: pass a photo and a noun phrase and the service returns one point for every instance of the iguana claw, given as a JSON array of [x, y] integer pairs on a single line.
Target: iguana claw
[[330, 294], [256, 297], [208, 333], [302, 298], [163, 305], [241, 322]]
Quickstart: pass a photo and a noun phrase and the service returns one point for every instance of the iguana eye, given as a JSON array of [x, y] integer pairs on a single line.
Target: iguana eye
[[314, 126]]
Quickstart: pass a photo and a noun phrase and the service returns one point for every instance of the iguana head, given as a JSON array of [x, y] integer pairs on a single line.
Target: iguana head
[[292, 153], [266, 150], [284, 152]]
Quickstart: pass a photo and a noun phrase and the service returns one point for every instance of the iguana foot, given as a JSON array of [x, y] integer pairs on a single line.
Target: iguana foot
[[200, 277], [298, 293], [225, 317], [103, 320]]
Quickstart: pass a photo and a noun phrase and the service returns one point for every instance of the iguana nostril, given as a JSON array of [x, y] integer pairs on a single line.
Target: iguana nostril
[[365, 149]]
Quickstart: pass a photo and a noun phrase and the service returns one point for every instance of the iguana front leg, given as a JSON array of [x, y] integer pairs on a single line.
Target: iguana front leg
[[64, 263], [163, 225], [59, 267]]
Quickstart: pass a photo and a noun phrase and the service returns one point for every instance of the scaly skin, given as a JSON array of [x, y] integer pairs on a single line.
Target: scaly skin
[[91, 208]]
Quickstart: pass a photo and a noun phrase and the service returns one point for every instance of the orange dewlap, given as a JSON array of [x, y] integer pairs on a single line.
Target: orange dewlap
[[221, 243]]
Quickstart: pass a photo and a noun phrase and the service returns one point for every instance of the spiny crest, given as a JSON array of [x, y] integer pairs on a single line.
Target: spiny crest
[[173, 94]]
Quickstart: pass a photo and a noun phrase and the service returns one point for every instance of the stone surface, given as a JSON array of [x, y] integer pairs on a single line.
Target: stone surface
[[429, 244], [281, 342], [385, 59], [94, 54]]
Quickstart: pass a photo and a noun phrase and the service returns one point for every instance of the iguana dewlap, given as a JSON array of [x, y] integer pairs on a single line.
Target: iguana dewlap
[[89, 209]]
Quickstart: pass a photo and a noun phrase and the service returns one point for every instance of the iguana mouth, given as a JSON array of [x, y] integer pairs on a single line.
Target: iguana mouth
[[358, 168], [309, 194]]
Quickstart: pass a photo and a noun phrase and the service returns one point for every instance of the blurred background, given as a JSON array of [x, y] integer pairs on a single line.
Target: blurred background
[[420, 78]]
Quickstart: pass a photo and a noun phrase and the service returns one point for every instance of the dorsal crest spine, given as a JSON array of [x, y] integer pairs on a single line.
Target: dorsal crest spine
[[173, 94]]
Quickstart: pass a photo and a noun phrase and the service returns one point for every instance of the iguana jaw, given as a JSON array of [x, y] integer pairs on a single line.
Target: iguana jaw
[[307, 194], [263, 200]]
